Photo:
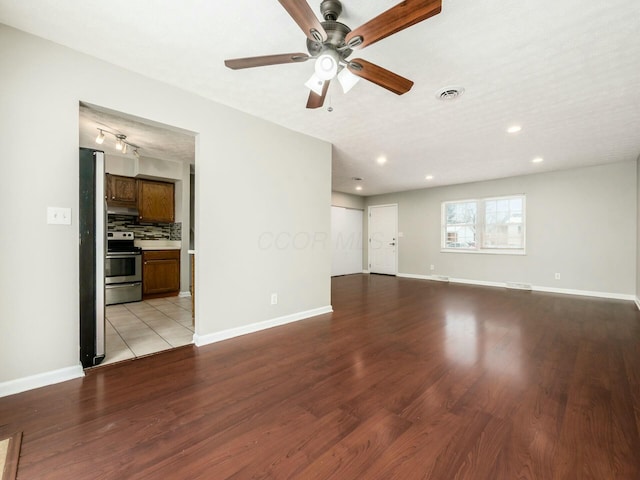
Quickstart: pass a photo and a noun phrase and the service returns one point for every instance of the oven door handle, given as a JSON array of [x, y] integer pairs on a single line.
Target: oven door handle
[[122, 254], [123, 285]]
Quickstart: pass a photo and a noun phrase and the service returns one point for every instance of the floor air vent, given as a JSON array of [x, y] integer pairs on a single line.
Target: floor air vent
[[440, 278]]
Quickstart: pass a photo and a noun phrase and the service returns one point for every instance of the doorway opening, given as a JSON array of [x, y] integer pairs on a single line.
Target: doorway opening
[[154, 165]]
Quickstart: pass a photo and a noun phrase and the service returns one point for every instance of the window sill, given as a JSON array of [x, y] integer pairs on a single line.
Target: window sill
[[483, 252]]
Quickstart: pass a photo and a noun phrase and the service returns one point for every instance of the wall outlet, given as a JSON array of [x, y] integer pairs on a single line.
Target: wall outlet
[[58, 216], [274, 299], [557, 276], [432, 267]]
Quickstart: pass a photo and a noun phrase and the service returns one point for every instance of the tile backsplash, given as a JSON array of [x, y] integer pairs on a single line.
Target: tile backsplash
[[149, 231]]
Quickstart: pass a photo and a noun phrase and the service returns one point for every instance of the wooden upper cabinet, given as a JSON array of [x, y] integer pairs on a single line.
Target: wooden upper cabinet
[[122, 191], [156, 201]]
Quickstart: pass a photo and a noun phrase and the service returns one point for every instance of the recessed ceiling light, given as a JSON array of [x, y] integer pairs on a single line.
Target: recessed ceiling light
[[429, 177], [381, 160], [538, 160], [514, 129], [358, 188]]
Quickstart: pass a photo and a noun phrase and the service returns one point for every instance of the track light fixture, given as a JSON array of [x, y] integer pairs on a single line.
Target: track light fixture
[[121, 142]]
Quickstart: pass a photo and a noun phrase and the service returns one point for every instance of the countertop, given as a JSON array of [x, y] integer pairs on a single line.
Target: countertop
[[158, 244]]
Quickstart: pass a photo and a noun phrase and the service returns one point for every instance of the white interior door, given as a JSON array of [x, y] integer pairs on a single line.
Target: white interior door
[[383, 239], [346, 241]]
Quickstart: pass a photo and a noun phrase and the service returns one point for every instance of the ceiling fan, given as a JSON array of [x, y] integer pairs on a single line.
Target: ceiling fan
[[330, 43]]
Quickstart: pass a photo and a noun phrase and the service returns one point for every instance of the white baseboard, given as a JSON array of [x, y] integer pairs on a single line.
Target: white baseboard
[[413, 275], [638, 302], [365, 271], [441, 278], [184, 294], [40, 380], [201, 340], [564, 291], [482, 283], [585, 293]]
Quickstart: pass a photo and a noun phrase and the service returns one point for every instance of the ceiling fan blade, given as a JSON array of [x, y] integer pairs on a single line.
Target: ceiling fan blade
[[301, 12], [315, 100], [380, 76], [392, 21], [250, 62]]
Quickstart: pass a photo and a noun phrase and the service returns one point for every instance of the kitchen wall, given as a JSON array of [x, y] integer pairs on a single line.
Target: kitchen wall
[[580, 223], [284, 178]]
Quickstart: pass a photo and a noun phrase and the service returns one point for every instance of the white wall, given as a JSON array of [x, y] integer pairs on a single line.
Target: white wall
[[580, 223], [638, 234], [283, 179], [346, 200], [118, 165]]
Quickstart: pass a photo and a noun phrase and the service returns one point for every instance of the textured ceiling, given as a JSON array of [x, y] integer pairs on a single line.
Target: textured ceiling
[[566, 70]]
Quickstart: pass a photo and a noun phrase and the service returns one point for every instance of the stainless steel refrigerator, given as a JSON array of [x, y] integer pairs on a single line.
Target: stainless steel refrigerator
[[92, 225]]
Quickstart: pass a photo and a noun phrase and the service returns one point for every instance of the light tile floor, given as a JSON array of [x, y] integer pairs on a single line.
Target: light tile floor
[[150, 326]]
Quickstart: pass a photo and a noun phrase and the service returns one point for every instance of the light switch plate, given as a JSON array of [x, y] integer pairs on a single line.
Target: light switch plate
[[58, 216]]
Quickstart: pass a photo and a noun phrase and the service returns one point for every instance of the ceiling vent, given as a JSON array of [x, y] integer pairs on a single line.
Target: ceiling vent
[[449, 93]]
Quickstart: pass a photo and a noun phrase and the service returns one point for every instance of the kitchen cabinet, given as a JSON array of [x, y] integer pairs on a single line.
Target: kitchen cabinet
[[121, 191], [160, 273], [156, 201]]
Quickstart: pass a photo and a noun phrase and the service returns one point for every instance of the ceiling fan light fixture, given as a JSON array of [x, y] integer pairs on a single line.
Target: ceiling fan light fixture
[[347, 80], [326, 66], [315, 84]]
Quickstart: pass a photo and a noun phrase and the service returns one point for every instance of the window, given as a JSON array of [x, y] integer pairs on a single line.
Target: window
[[488, 225]]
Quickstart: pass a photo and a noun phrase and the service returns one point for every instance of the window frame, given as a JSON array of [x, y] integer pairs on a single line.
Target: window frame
[[480, 226]]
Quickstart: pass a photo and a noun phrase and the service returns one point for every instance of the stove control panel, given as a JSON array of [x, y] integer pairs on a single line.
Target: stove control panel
[[119, 235]]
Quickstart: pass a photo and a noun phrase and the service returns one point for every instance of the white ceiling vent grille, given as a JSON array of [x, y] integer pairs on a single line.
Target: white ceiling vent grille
[[449, 93]]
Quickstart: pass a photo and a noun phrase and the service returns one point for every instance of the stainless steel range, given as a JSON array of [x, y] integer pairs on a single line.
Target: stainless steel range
[[123, 269]]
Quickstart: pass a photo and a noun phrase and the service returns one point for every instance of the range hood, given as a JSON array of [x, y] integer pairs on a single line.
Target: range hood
[[124, 211]]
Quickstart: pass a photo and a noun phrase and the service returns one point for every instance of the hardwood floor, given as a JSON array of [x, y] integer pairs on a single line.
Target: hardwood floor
[[407, 379]]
